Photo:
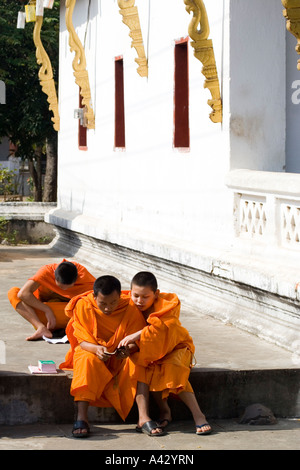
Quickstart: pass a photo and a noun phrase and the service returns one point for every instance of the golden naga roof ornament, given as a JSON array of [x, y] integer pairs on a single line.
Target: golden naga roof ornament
[[203, 51], [131, 18], [45, 73], [292, 15], [79, 67]]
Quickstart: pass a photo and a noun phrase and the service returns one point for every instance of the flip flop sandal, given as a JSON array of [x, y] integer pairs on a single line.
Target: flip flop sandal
[[81, 425], [203, 432], [148, 427]]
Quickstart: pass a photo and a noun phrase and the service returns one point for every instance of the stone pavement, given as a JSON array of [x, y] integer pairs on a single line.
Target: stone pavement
[[234, 369], [227, 435]]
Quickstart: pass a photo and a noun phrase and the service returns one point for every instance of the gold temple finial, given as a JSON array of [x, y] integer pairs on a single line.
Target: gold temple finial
[[131, 18], [203, 51], [45, 72], [79, 67], [292, 15]]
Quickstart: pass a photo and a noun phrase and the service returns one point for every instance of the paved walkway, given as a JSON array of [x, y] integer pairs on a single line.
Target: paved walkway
[[227, 435], [218, 346]]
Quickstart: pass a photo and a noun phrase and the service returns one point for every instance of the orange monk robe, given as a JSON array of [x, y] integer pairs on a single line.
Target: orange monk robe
[[103, 384], [166, 349], [49, 293]]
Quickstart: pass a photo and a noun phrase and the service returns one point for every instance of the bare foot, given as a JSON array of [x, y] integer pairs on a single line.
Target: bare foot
[[39, 333]]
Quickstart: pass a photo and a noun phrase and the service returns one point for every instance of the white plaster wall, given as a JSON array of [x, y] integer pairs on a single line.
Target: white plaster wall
[[175, 205], [150, 191], [292, 106], [257, 74]]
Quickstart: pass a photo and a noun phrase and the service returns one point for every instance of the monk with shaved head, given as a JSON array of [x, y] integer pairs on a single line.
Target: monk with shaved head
[[165, 357], [43, 298], [99, 321]]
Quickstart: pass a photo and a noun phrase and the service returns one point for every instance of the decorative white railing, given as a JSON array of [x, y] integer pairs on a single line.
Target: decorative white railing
[[252, 212], [290, 221], [267, 206]]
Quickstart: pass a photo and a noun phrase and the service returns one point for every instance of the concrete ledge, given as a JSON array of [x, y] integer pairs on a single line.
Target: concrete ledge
[[26, 399], [270, 312], [222, 394], [25, 210], [25, 221], [286, 184], [30, 231]]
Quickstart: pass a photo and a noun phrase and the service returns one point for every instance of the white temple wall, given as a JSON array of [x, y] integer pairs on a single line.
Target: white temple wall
[[150, 188]]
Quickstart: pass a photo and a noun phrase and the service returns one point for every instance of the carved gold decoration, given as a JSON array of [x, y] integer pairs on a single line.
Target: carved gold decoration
[[45, 72], [203, 51], [292, 15], [131, 18], [79, 67]]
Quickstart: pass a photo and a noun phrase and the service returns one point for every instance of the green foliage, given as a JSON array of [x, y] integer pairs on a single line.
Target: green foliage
[[7, 236], [7, 181], [25, 118]]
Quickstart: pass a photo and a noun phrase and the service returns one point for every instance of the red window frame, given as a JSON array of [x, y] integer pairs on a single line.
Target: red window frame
[[119, 141], [181, 138]]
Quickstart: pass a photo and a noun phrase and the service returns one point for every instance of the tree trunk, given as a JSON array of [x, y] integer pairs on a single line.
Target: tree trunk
[[36, 174], [50, 181]]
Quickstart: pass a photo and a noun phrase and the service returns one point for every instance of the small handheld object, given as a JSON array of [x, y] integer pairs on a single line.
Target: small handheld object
[[121, 348]]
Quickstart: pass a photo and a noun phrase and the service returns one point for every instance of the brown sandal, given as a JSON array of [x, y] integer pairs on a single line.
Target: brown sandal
[[81, 425]]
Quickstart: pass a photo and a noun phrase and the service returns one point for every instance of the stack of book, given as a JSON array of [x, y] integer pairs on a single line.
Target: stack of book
[[44, 367], [48, 367]]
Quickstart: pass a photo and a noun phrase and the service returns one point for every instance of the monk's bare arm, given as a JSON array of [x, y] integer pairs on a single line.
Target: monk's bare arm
[[96, 349], [130, 339], [26, 295]]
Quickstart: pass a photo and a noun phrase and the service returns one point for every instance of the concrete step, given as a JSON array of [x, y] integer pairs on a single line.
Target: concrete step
[[28, 399], [234, 368]]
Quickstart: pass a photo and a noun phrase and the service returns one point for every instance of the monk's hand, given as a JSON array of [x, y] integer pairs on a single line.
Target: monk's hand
[[100, 352], [122, 352], [51, 320], [130, 339]]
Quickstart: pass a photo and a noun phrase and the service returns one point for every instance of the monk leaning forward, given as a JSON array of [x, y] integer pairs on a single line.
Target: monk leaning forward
[[99, 321], [165, 358], [43, 298]]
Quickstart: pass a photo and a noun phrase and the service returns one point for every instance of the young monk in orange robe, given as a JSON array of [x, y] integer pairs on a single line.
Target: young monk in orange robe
[[165, 358], [43, 298], [99, 321]]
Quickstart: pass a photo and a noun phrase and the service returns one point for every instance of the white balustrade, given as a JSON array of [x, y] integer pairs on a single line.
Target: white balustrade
[[267, 206]]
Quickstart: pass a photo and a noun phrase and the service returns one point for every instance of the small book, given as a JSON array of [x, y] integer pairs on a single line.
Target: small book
[[47, 366], [43, 367]]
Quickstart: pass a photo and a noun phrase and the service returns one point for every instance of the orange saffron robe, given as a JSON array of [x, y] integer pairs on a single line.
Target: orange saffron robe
[[166, 349], [103, 384], [49, 293]]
